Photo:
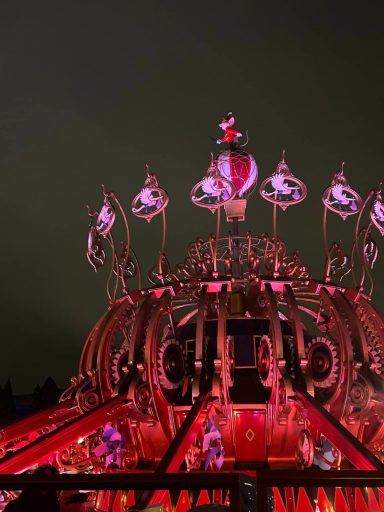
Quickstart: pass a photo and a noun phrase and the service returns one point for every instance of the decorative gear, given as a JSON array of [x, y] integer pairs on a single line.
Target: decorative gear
[[290, 352], [359, 394], [266, 362], [171, 364], [143, 397], [119, 363], [323, 361], [376, 357], [305, 451]]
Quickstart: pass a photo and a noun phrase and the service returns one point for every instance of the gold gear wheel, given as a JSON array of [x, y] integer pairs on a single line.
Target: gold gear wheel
[[266, 362], [171, 364], [323, 362]]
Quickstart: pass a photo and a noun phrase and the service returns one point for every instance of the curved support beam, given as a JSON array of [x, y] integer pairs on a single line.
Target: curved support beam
[[162, 408], [357, 333], [340, 399], [115, 317], [88, 360], [277, 344], [298, 336], [137, 344], [89, 354]]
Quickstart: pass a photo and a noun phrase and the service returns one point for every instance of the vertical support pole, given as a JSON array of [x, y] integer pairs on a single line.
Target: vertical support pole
[[275, 261], [235, 498], [261, 496], [326, 246], [235, 255]]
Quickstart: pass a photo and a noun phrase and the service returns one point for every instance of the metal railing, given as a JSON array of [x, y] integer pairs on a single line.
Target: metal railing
[[230, 481]]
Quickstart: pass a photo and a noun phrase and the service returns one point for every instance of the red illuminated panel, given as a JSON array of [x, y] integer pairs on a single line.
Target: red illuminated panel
[[250, 434]]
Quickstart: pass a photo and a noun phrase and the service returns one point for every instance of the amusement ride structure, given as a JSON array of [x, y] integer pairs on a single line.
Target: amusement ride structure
[[236, 359]]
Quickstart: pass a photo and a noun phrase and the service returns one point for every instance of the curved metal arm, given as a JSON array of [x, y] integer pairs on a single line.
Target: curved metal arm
[[127, 233], [326, 246], [162, 248], [357, 227], [366, 271]]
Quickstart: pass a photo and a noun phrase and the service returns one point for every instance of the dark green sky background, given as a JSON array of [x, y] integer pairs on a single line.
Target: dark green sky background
[[91, 90]]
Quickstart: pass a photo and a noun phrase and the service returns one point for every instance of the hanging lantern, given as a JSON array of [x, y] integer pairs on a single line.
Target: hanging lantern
[[340, 198], [151, 200], [213, 190], [282, 188]]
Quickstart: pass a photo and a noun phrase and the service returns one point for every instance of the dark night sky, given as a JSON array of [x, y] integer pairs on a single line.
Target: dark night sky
[[91, 90]]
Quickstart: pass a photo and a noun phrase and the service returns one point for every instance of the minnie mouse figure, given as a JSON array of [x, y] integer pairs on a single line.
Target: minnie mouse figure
[[230, 134]]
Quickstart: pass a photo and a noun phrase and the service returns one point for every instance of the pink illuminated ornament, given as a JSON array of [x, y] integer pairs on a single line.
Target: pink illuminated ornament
[[239, 167], [213, 191], [151, 200], [377, 213], [282, 188], [340, 198], [106, 218]]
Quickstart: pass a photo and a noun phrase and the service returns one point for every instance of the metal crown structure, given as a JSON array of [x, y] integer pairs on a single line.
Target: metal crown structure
[[236, 359]]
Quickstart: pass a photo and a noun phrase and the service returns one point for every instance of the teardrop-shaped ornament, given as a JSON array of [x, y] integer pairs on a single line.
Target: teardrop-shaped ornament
[[340, 198], [151, 200], [106, 218], [282, 187], [213, 190]]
